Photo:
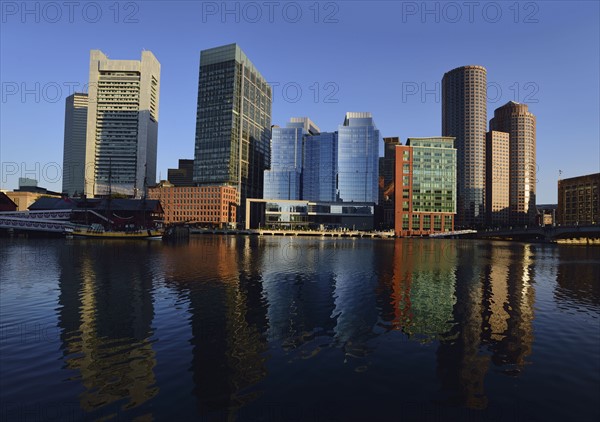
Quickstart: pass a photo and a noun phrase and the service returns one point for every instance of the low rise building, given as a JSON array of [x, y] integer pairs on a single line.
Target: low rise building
[[305, 215], [214, 206], [579, 200], [28, 193]]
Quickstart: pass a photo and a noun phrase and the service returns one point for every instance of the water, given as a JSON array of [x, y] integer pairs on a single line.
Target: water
[[278, 329]]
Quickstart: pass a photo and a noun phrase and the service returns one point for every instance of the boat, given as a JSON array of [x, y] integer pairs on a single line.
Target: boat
[[97, 231]]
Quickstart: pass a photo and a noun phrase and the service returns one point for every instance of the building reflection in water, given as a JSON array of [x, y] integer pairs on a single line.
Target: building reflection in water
[[493, 318], [249, 298], [578, 275], [105, 318], [300, 303], [220, 277]]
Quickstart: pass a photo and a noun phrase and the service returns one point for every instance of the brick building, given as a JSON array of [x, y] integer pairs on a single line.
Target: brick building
[[200, 205]]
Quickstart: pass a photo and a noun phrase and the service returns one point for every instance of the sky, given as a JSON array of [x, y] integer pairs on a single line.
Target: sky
[[323, 60]]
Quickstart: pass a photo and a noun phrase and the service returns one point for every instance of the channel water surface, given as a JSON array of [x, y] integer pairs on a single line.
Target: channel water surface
[[230, 328]]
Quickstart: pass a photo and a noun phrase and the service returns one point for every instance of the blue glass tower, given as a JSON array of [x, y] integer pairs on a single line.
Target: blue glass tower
[[284, 180], [358, 158], [319, 178]]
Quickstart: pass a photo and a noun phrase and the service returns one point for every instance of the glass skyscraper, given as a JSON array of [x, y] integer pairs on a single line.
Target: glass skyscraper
[[319, 179], [284, 180], [233, 123], [358, 158]]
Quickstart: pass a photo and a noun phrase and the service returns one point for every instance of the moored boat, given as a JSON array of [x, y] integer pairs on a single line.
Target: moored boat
[[97, 231]]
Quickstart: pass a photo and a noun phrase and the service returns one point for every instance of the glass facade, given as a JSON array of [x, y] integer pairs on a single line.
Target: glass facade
[[433, 175], [233, 122], [425, 182], [279, 214], [358, 158], [284, 180], [319, 178]]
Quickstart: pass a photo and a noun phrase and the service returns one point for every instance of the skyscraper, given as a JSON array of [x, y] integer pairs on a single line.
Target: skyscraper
[[122, 125], [284, 179], [76, 109], [497, 178], [358, 158], [516, 119], [233, 123], [464, 116], [319, 176]]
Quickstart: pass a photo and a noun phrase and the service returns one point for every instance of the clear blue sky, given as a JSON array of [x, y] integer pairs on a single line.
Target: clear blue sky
[[358, 56]]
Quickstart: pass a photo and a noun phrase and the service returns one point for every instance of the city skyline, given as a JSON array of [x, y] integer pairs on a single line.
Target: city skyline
[[405, 103]]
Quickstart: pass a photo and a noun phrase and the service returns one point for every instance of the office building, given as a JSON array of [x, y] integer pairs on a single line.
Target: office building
[[516, 120], [305, 215], [425, 186], [73, 177], [214, 206], [122, 125], [497, 179], [387, 170], [358, 158], [183, 175], [464, 117], [233, 123], [579, 200], [319, 177], [284, 179]]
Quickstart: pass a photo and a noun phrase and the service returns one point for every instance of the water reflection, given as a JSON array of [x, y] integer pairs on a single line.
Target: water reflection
[[578, 275], [105, 317], [275, 319], [224, 290]]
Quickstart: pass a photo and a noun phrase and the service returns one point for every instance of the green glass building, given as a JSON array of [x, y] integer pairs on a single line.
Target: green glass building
[[233, 123], [425, 186]]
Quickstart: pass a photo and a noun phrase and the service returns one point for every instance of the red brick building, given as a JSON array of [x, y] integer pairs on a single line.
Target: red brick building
[[202, 205]]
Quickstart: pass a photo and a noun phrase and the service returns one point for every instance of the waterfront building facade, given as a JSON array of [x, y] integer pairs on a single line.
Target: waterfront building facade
[[214, 206], [579, 200], [358, 158], [516, 120], [284, 179], [425, 183], [122, 125], [319, 176], [233, 123], [73, 177], [309, 215], [497, 178], [464, 117]]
